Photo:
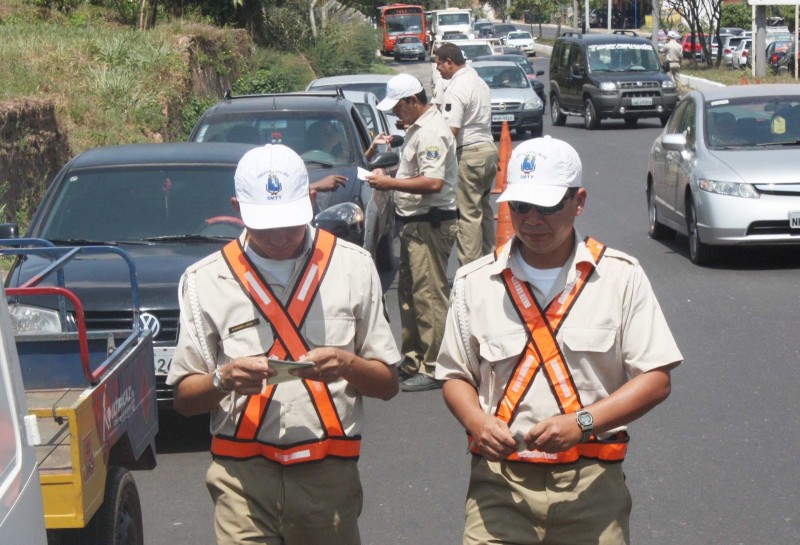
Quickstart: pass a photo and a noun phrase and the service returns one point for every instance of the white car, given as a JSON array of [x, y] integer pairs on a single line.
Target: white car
[[522, 40], [739, 56]]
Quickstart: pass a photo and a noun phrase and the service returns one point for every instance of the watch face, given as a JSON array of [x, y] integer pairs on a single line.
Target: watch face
[[585, 419]]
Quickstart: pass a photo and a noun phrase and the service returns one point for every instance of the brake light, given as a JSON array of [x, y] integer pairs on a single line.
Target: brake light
[[727, 50], [744, 53]]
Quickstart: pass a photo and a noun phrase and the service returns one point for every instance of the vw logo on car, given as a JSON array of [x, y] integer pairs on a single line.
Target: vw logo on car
[[148, 321]]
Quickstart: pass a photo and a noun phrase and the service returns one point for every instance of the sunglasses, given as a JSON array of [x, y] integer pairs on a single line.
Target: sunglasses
[[520, 207]]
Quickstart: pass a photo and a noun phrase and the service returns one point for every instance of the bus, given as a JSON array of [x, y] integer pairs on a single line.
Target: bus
[[396, 19]]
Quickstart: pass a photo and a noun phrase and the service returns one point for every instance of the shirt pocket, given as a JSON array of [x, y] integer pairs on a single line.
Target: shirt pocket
[[251, 341], [502, 346], [592, 353], [339, 332]]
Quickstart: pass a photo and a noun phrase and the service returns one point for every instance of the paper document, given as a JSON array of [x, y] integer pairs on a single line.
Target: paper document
[[284, 369], [362, 173]]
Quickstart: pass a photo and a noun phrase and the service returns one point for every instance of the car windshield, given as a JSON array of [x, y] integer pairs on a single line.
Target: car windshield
[[473, 51], [620, 57], [503, 77], [318, 137], [408, 40], [518, 36], [753, 122], [139, 203]]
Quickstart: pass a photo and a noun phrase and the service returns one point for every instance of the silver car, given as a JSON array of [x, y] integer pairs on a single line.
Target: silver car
[[513, 97], [724, 170], [409, 47]]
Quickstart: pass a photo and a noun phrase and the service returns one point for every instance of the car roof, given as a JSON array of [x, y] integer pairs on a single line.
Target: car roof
[[500, 64], [497, 58], [352, 78], [361, 97], [306, 101], [593, 39], [184, 153], [758, 90]]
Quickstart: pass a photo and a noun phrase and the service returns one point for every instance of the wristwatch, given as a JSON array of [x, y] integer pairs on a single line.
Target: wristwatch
[[586, 423], [217, 382]]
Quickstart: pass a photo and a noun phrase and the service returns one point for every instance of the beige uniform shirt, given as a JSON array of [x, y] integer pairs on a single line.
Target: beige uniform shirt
[[218, 321], [615, 331], [467, 106], [429, 149], [673, 51]]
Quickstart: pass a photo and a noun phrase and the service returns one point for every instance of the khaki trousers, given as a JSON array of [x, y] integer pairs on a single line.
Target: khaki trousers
[[477, 170], [257, 501], [423, 291], [585, 503]]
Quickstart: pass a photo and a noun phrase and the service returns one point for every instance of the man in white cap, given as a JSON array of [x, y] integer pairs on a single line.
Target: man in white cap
[[552, 347], [425, 201], [673, 53], [284, 451]]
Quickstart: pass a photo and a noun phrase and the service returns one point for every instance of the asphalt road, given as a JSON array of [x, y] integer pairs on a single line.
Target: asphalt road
[[715, 464]]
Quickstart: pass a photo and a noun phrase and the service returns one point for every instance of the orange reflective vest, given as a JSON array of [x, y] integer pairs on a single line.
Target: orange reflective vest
[[289, 343], [543, 353]]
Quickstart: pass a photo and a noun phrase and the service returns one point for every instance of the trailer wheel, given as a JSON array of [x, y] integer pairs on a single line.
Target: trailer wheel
[[119, 519]]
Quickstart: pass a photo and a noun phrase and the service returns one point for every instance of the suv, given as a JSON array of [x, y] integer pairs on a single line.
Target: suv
[[615, 76], [328, 132]]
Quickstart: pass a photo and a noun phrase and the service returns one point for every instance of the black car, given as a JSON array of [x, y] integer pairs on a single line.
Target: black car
[[166, 205], [328, 132], [522, 60], [617, 76]]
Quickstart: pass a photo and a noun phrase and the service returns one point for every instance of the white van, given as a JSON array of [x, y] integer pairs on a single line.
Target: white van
[[21, 510]]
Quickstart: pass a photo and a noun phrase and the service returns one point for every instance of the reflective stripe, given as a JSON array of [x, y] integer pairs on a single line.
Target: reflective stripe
[[341, 447], [286, 323], [543, 352]]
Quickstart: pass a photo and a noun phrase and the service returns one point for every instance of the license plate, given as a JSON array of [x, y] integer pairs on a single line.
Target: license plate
[[162, 358], [503, 117], [794, 220], [642, 101]]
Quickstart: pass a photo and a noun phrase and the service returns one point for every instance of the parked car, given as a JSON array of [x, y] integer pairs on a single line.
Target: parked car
[[686, 43], [307, 122], [374, 83], [513, 97], [775, 52], [522, 61], [166, 205], [787, 62], [739, 55], [734, 31], [715, 44], [724, 169], [409, 47], [616, 76], [729, 45], [522, 40]]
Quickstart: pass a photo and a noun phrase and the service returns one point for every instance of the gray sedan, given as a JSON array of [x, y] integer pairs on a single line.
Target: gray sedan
[[724, 170], [513, 97]]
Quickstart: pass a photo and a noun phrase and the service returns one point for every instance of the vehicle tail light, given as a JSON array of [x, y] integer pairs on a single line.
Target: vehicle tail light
[[727, 51], [744, 53]]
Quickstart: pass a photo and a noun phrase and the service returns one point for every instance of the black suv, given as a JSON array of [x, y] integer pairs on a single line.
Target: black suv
[[615, 76], [328, 132]]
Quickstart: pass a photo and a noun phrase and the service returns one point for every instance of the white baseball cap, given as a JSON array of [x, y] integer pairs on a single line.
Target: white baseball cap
[[272, 188], [400, 86], [541, 170]]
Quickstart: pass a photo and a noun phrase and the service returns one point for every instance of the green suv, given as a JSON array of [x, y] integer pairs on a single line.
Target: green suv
[[617, 76]]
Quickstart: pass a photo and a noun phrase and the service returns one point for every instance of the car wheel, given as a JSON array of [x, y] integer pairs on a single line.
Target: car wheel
[[699, 252], [631, 121], [590, 119], [656, 230], [537, 132], [558, 119], [664, 119]]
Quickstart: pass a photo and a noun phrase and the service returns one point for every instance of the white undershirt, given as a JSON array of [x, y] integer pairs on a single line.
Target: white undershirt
[[281, 269], [541, 279]]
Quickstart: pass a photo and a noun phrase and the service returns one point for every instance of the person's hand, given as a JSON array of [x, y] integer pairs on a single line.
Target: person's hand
[[330, 364], [379, 180], [555, 434], [494, 439], [246, 375], [382, 138], [329, 183]]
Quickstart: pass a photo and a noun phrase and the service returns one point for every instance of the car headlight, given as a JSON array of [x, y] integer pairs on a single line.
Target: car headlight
[[732, 189], [668, 84], [532, 103], [29, 320], [347, 212], [607, 86]]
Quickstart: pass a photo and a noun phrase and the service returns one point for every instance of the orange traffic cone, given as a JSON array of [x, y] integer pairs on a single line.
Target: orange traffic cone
[[744, 80], [504, 227]]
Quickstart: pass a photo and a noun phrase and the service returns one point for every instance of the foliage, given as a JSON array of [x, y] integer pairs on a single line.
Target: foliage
[[344, 49], [735, 15], [63, 6]]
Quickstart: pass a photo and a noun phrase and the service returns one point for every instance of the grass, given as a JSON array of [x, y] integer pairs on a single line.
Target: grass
[[729, 76]]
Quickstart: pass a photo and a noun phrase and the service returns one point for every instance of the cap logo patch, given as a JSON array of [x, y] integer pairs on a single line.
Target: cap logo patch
[[432, 152], [273, 184], [528, 164]]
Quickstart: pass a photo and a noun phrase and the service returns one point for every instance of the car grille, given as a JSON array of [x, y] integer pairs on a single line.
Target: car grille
[[122, 320], [509, 107], [773, 227], [639, 85], [163, 391]]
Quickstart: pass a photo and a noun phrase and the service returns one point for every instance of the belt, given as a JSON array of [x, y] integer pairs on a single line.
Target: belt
[[434, 215], [475, 146]]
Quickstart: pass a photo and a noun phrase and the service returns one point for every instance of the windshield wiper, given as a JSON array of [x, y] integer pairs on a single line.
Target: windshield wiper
[[318, 162], [82, 242], [187, 238], [786, 143]]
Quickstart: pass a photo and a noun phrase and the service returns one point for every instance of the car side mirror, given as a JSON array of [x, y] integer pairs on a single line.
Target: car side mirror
[[539, 73], [577, 70], [9, 230], [384, 160], [396, 141], [674, 142]]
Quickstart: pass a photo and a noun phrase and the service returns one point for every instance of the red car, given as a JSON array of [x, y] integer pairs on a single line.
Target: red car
[[686, 42]]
